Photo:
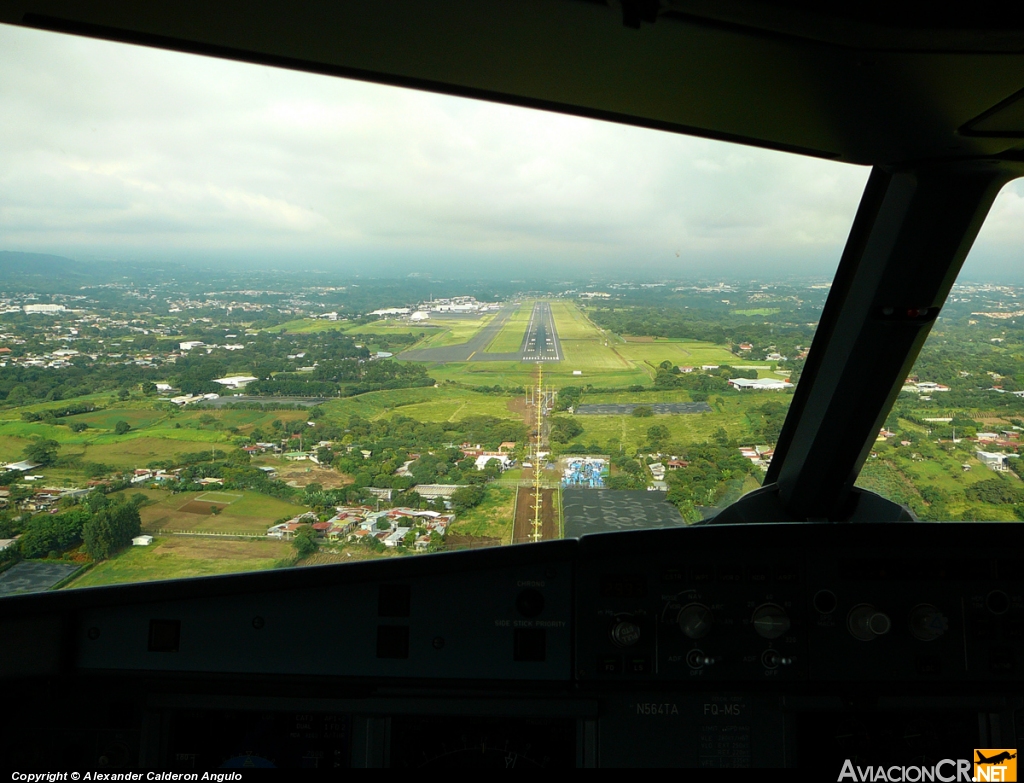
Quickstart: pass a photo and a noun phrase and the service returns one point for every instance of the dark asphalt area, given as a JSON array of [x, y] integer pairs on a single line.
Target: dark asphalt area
[[609, 510], [34, 577]]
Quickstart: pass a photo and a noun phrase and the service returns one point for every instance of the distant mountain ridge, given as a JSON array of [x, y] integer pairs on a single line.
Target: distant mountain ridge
[[47, 272], [15, 265]]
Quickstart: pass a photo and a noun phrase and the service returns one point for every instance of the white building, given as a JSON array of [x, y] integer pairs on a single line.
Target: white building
[[386, 311], [767, 384], [994, 460], [44, 309], [504, 460], [235, 381], [188, 345], [142, 540]]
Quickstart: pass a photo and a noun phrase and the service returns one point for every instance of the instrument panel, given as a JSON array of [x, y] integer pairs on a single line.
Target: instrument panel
[[718, 646]]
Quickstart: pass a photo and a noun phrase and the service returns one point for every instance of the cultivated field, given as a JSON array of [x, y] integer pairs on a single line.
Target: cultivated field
[[240, 512]]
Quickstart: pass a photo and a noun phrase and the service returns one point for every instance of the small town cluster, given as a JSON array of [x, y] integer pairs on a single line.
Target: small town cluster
[[393, 527]]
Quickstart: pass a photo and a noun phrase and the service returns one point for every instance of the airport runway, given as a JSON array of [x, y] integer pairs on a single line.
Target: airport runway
[[463, 351], [540, 342]]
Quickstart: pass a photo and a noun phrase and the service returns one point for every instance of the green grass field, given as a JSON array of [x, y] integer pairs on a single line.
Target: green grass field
[[158, 432], [510, 338], [573, 324], [425, 404], [453, 331], [728, 412], [692, 353], [179, 557], [757, 311], [107, 419], [310, 325], [522, 374], [493, 517]]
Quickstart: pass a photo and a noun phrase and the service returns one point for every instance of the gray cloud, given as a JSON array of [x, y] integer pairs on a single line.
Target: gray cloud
[[133, 152]]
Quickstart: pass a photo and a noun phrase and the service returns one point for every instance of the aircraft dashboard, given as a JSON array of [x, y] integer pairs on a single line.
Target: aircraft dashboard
[[707, 647]]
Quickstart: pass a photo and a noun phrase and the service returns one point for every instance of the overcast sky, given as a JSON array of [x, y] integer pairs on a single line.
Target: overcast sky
[[116, 151]]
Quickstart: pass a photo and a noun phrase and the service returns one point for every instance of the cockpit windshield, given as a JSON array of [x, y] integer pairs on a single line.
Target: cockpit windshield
[[254, 318]]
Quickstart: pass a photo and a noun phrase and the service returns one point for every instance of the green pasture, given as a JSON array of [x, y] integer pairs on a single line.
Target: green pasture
[[729, 412], [424, 404], [108, 418], [12, 446], [510, 338], [573, 324], [137, 452], [556, 374], [99, 398], [179, 557], [310, 325], [693, 353], [757, 311], [389, 327], [453, 331], [593, 355], [493, 517], [660, 395]]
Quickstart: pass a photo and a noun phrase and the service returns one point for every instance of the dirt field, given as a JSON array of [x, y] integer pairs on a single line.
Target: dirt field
[[252, 513], [522, 532], [518, 406], [299, 474], [200, 507]]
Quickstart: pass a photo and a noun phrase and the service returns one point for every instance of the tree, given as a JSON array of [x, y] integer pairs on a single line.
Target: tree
[[148, 388], [122, 427], [19, 395], [305, 542], [658, 434], [99, 539], [466, 498], [43, 452], [78, 426], [642, 411], [564, 429]]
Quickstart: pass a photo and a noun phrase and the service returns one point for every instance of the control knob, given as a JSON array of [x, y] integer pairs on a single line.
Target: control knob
[[927, 623], [866, 622], [770, 621], [695, 621], [625, 632]]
